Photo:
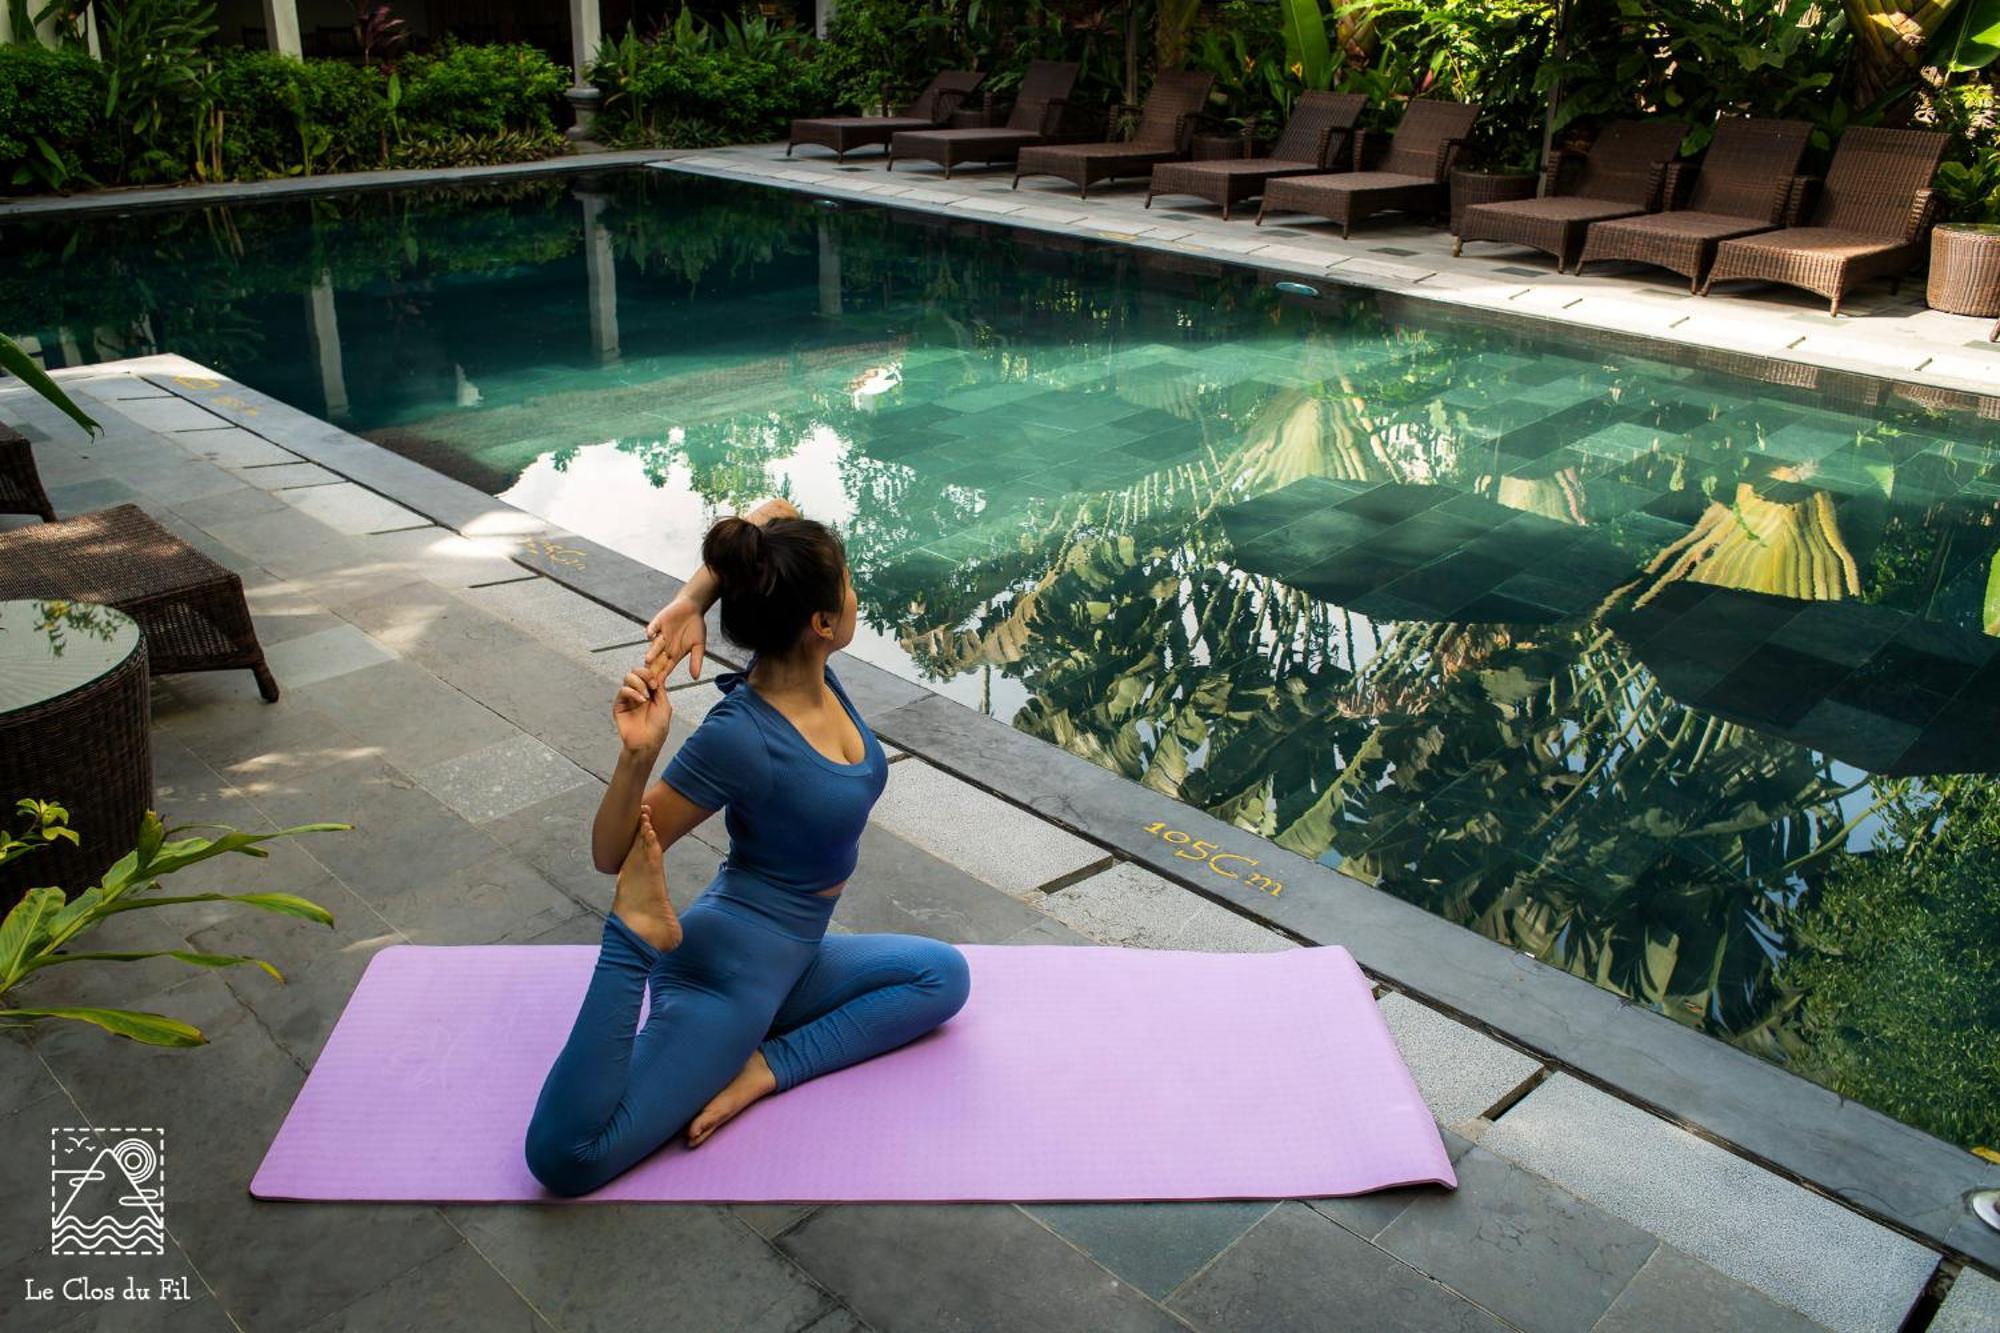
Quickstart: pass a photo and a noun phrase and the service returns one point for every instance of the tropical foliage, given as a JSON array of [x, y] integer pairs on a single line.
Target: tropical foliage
[[44, 928]]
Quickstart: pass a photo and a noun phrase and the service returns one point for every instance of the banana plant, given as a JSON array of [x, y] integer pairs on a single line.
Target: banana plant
[[42, 929], [16, 362]]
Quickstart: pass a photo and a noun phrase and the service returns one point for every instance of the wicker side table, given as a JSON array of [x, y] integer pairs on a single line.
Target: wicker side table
[[1487, 187], [21, 489], [74, 716], [1965, 269]]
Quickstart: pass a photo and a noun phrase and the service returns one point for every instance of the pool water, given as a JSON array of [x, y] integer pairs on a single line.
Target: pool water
[[1676, 670]]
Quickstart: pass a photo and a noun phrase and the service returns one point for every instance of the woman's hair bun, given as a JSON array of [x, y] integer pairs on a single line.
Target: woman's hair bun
[[735, 550]]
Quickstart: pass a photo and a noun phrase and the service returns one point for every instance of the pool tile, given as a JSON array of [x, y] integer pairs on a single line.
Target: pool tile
[[1396, 502], [1775, 686]]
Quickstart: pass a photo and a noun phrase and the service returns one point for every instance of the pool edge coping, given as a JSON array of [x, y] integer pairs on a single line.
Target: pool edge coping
[[196, 194], [1760, 1111]]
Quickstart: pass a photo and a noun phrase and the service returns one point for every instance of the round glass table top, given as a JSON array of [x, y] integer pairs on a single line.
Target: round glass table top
[[48, 648], [1974, 228]]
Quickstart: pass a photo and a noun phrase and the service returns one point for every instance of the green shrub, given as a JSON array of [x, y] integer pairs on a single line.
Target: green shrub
[[695, 85], [52, 130], [482, 90], [282, 115]]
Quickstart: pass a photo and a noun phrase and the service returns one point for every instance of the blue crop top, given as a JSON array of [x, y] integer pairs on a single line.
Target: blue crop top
[[794, 816]]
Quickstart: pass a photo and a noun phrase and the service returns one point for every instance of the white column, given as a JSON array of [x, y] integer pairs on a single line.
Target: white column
[[601, 269], [324, 330], [281, 26], [829, 271], [823, 11], [586, 29]]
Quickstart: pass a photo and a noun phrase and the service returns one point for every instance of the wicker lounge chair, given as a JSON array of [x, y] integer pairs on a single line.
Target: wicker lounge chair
[[1744, 185], [190, 609], [1621, 176], [1037, 117], [1317, 135], [1411, 179], [1871, 219], [1166, 125], [932, 108], [21, 489]]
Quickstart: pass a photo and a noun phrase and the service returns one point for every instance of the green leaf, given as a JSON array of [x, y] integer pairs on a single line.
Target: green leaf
[[185, 955], [152, 1029], [22, 366], [188, 851], [284, 904], [1971, 35], [26, 926], [151, 834]]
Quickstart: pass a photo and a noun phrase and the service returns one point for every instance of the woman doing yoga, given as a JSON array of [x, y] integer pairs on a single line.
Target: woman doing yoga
[[748, 993]]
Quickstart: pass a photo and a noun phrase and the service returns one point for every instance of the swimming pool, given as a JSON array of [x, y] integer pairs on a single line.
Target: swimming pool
[[1676, 670]]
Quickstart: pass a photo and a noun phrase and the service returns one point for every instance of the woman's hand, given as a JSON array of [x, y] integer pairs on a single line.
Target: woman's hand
[[678, 631], [641, 713]]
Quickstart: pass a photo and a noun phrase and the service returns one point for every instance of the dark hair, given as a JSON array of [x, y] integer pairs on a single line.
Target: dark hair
[[774, 577]]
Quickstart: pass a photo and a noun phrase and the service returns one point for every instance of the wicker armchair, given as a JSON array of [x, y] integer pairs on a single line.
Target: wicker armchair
[[20, 484], [1870, 220], [1622, 175], [1166, 124], [1037, 117], [191, 610], [1413, 174], [1320, 131], [933, 107], [1745, 184]]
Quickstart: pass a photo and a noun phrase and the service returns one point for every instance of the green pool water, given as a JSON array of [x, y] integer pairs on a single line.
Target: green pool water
[[1676, 671]]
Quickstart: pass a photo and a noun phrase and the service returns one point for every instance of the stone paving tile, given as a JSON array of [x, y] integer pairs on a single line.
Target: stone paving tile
[[555, 614], [230, 506], [900, 888], [169, 414], [710, 1272], [1367, 1215], [256, 745], [1800, 1249], [351, 509], [495, 901], [456, 1290], [551, 696], [321, 966], [1676, 1294], [409, 717], [1294, 1268], [977, 831], [441, 556], [24, 1174], [402, 837], [553, 837], [1461, 1071], [962, 1266], [1153, 1246], [500, 778], [1129, 905], [1533, 1254], [290, 545], [1971, 1306], [234, 448], [288, 476], [322, 655]]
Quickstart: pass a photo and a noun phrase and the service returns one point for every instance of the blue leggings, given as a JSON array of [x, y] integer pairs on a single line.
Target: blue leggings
[[755, 970]]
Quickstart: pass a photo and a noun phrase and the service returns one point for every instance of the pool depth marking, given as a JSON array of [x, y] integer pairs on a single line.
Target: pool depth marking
[[1262, 883]]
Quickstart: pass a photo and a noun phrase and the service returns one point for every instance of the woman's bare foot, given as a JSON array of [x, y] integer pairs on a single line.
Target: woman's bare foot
[[641, 900], [753, 1081]]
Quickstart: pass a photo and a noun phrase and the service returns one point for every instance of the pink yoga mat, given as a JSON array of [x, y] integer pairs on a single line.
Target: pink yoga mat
[[1072, 1073]]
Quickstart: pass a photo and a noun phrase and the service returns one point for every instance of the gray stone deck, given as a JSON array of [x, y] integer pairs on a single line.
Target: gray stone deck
[[1880, 332], [449, 701]]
